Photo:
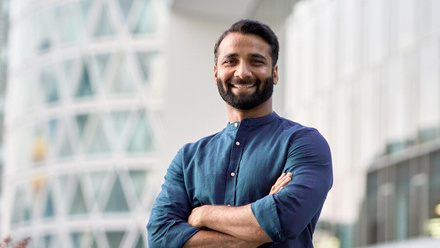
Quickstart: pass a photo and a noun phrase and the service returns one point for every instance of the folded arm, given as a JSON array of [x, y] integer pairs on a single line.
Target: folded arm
[[236, 222]]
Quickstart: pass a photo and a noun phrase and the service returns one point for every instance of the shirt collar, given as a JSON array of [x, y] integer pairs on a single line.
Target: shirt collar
[[253, 122]]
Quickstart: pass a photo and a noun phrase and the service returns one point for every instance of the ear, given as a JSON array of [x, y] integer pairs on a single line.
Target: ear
[[215, 74], [275, 74]]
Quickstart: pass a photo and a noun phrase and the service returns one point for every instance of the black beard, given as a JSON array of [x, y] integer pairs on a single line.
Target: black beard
[[244, 102]]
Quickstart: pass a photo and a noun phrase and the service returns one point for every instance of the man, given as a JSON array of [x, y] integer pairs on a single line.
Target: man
[[262, 180]]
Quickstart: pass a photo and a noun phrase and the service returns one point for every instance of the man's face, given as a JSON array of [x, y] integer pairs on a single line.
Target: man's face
[[244, 74]]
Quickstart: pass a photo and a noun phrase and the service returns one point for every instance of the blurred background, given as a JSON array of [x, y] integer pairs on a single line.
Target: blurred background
[[97, 96]]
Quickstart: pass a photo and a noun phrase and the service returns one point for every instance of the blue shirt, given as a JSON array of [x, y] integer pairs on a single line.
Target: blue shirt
[[238, 166]]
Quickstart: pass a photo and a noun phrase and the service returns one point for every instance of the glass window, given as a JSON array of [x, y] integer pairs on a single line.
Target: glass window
[[402, 200], [104, 26], [84, 86], [49, 84], [114, 238], [49, 209], [79, 203], [117, 201], [99, 143], [140, 242], [125, 6], [119, 120], [96, 179], [122, 81], [81, 122], [65, 147], [142, 137], [146, 60], [372, 186], [434, 184], [146, 20], [139, 179], [101, 61]]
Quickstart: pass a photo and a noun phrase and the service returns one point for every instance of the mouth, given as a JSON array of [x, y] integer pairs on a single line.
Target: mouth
[[243, 86]]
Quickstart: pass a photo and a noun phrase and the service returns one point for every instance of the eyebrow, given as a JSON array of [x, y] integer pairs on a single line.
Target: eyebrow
[[252, 55]]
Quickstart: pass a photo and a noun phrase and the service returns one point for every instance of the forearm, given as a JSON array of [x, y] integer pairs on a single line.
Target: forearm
[[214, 239], [238, 222]]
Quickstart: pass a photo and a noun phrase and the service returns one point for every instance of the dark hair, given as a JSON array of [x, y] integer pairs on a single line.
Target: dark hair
[[246, 26]]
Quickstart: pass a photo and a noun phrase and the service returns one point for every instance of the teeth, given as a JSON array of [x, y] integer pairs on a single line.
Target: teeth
[[243, 86]]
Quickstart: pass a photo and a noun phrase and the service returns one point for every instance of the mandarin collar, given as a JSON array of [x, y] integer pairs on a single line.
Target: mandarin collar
[[253, 122]]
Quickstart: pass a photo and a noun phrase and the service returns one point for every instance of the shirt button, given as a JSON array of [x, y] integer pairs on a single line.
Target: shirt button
[[237, 143], [236, 124], [232, 174]]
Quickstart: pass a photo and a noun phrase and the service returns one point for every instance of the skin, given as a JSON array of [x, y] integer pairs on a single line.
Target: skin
[[242, 56], [239, 56]]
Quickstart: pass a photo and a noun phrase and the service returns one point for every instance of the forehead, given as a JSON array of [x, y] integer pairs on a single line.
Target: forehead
[[243, 43]]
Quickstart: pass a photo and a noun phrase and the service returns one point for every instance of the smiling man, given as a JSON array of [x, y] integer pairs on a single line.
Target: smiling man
[[262, 180]]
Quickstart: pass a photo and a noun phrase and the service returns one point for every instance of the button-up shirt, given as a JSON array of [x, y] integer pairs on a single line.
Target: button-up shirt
[[238, 166]]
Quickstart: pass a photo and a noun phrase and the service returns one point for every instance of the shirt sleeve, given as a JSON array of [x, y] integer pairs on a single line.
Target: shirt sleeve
[[286, 214], [167, 226]]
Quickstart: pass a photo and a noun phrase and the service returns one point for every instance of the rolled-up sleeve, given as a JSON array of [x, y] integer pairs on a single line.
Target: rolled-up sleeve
[[286, 214], [167, 226]]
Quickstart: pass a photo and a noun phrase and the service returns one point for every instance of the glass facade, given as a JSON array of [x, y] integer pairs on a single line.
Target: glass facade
[[83, 128], [402, 196]]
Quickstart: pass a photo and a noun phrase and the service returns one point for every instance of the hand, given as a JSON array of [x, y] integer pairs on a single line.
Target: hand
[[282, 181], [196, 217]]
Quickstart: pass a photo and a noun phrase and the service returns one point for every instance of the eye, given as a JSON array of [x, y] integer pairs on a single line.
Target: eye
[[229, 62], [257, 62]]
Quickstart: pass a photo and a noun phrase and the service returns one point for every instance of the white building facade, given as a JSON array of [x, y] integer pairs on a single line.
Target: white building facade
[[83, 127], [366, 73]]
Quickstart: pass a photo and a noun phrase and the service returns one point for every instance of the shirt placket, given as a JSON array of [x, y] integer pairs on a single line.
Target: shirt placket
[[234, 164]]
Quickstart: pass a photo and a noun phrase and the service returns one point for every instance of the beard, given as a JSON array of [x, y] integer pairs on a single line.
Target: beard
[[246, 102]]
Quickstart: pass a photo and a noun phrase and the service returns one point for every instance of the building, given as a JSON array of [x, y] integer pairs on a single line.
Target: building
[[94, 110], [366, 73], [83, 124], [402, 195], [3, 68]]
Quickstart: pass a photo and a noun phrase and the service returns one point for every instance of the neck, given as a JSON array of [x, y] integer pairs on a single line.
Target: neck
[[259, 111]]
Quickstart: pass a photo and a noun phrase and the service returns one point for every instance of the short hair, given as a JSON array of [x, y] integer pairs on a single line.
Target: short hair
[[246, 26]]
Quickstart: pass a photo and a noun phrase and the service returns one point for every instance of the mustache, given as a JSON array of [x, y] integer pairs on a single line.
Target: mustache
[[243, 81]]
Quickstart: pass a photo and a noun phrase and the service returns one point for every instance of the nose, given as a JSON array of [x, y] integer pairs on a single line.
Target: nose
[[243, 71]]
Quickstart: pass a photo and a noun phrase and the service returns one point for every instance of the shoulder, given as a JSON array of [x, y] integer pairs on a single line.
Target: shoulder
[[191, 147]]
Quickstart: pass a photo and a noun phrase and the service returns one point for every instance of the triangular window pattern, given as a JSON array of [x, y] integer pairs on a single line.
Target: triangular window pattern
[[77, 240], [65, 149], [101, 62], [81, 122], [146, 60], [54, 242], [78, 203], [141, 139], [96, 181], [119, 119], [123, 80], [84, 86], [139, 179], [104, 27], [20, 209], [117, 201], [85, 9], [94, 244], [125, 6], [53, 128], [100, 143], [50, 85], [140, 242], [114, 238], [146, 21], [49, 210]]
